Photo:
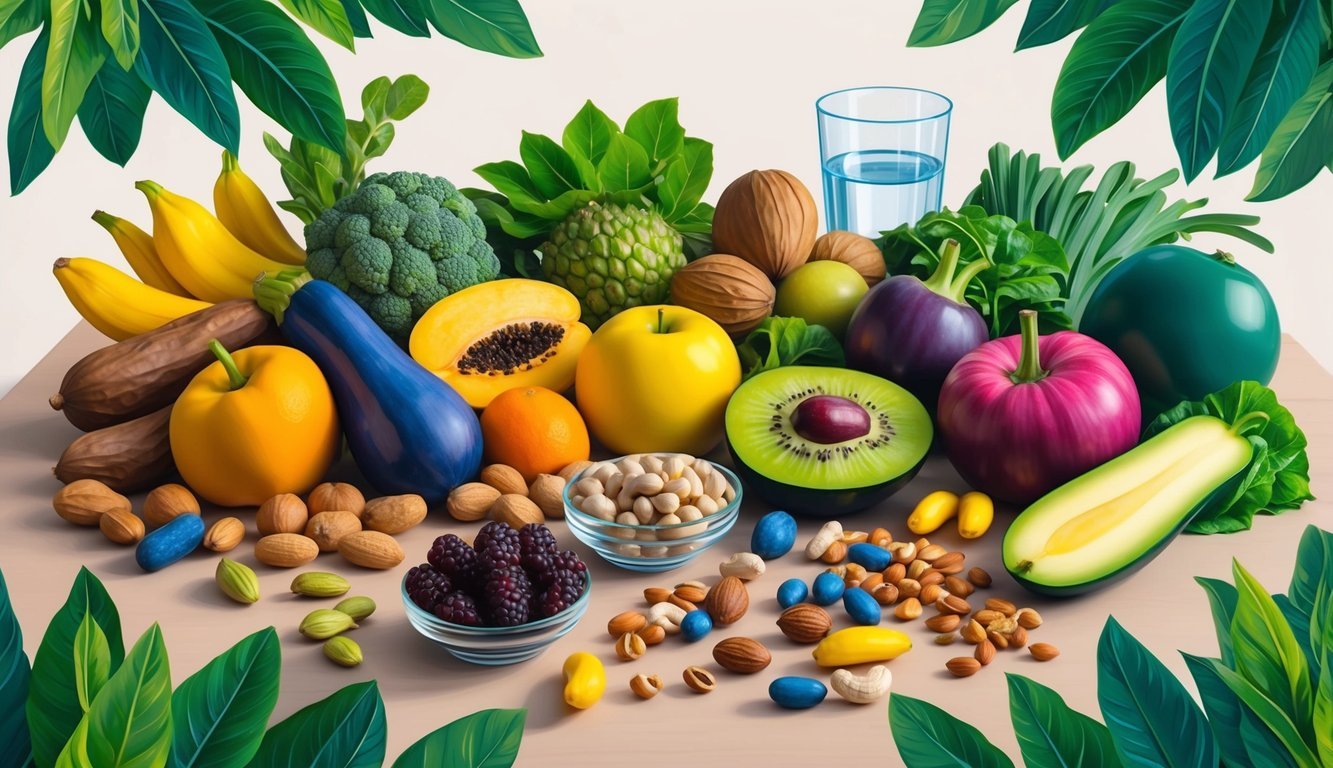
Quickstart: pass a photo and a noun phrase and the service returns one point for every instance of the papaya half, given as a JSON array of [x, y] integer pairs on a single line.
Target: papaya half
[[499, 335]]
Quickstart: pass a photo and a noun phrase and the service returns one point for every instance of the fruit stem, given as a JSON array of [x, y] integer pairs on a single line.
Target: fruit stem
[[1248, 421], [1224, 257], [661, 320], [105, 219], [1029, 360], [958, 288], [229, 162], [234, 375], [150, 188], [273, 293], [941, 280]]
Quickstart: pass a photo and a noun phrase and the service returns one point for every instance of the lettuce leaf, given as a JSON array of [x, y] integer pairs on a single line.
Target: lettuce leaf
[[1278, 478], [783, 341]]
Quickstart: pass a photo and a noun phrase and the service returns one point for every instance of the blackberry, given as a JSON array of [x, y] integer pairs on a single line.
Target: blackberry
[[458, 608], [499, 550], [426, 586], [562, 561], [508, 593], [564, 588], [451, 555], [537, 545], [493, 529]]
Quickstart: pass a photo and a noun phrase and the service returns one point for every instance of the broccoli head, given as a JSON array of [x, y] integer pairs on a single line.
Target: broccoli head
[[399, 243]]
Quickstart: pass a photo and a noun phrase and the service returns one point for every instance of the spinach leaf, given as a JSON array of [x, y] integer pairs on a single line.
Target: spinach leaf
[[783, 341]]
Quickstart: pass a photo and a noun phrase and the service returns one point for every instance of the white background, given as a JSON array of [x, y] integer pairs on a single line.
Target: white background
[[747, 72]]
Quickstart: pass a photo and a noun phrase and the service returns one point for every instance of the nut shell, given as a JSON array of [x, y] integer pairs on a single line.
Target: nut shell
[[547, 493], [284, 513], [285, 550], [371, 549], [470, 502], [121, 526], [393, 514], [83, 502], [516, 511], [167, 502], [328, 528], [504, 479], [742, 655], [767, 218], [856, 251], [224, 535], [728, 601], [327, 497], [805, 623], [731, 291]]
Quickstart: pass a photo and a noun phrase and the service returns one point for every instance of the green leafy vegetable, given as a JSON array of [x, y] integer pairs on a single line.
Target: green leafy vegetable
[[1278, 477], [15, 674], [486, 739], [784, 341], [344, 730], [219, 712], [929, 737], [1027, 267]]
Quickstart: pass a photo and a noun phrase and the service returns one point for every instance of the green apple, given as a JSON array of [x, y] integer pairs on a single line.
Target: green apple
[[821, 293]]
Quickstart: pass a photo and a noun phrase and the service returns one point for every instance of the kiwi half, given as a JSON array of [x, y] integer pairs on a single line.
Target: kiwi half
[[825, 441]]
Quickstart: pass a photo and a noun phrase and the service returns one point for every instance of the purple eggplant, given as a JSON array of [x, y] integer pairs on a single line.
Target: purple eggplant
[[912, 332]]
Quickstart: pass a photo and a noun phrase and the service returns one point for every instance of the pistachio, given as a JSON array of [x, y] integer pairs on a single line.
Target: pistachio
[[358, 608], [319, 584], [343, 651], [325, 623], [237, 581]]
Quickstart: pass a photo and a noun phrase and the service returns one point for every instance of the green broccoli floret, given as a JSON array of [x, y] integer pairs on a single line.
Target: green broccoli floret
[[399, 243]]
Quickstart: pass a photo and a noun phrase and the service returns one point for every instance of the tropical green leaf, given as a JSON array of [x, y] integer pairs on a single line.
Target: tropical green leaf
[[1298, 149], [1152, 718], [552, 169], [1267, 653], [29, 151], [1051, 20], [1287, 60], [1241, 736], [1050, 734], [73, 57], [948, 21], [120, 29], [15, 745], [327, 17], [1210, 57], [112, 113], [406, 16], [1115, 61], [278, 68], [1222, 599], [129, 723], [1263, 720], [53, 707], [686, 179], [486, 739], [494, 26], [585, 139], [624, 166], [219, 712], [345, 730], [180, 59], [405, 95], [929, 737], [1300, 628], [656, 127], [1323, 708], [19, 17], [92, 661], [511, 180], [356, 16]]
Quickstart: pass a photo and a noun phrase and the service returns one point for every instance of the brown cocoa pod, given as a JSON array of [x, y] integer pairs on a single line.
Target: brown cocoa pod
[[126, 457], [140, 375]]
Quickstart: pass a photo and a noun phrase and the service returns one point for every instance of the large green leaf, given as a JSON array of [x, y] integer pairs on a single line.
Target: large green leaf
[[1152, 718], [585, 139], [486, 739], [112, 113], [929, 737], [29, 151], [219, 712], [1287, 60], [947, 21], [92, 661], [1267, 653], [1323, 708], [1050, 734], [327, 17], [345, 730], [1300, 629], [1241, 736], [19, 17], [686, 179], [129, 723], [656, 127], [15, 745], [552, 169], [1222, 599], [494, 26], [404, 96], [1262, 720], [278, 68], [73, 57], [1051, 20], [624, 166], [120, 29], [513, 181], [356, 16], [1117, 59], [53, 697], [180, 59], [1298, 149], [406, 16], [1210, 57]]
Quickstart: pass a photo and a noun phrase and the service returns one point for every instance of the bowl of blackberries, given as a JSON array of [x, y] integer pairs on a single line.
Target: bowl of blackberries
[[501, 599]]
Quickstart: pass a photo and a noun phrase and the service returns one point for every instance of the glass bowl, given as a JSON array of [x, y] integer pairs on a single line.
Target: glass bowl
[[651, 548], [496, 646]]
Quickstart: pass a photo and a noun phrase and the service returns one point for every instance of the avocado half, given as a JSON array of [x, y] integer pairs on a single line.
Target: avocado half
[[1108, 523]]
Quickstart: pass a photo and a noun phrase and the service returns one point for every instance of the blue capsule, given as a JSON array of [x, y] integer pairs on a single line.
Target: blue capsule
[[774, 535], [827, 589], [796, 692], [869, 556], [861, 607], [791, 592], [696, 625]]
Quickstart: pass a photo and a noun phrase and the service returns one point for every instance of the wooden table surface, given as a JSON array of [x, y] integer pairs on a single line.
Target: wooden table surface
[[423, 687]]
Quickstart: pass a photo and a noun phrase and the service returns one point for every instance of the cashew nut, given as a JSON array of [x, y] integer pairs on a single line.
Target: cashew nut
[[613, 485], [862, 689], [679, 486], [588, 486], [831, 531], [903, 551], [668, 616], [629, 466], [600, 507], [673, 466], [746, 566], [645, 485]]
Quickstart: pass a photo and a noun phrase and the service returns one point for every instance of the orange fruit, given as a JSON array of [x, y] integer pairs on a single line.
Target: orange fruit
[[533, 430]]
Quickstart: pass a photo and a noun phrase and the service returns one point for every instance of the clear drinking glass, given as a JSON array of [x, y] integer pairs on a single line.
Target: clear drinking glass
[[883, 150]]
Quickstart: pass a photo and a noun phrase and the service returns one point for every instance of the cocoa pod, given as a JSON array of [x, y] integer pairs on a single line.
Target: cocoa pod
[[127, 457]]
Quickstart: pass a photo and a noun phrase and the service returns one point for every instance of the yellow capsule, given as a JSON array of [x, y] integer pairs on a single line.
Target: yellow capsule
[[585, 680], [932, 512], [976, 511], [861, 645]]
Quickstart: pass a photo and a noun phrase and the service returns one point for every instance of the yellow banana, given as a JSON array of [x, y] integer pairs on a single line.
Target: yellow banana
[[117, 304], [246, 212], [198, 251], [137, 247]]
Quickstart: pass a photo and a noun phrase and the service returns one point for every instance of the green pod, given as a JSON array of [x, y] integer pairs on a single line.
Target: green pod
[[343, 651], [325, 623], [237, 581], [317, 584], [359, 608]]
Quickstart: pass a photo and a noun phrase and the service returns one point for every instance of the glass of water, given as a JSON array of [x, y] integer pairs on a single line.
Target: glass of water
[[883, 150]]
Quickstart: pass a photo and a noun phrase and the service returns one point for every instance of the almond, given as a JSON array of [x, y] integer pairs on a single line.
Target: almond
[[945, 622], [1018, 638], [284, 513], [931, 594], [908, 609], [516, 511], [895, 573], [504, 479], [329, 528], [949, 563], [885, 594], [985, 652], [83, 502], [652, 634], [684, 605], [909, 587], [979, 577], [329, 497], [953, 604], [985, 616], [167, 502], [121, 526], [630, 647], [805, 623], [568, 472], [931, 577], [547, 492], [393, 514], [871, 582], [836, 552], [695, 593], [958, 586], [625, 623], [371, 549], [285, 550], [962, 666], [930, 552], [973, 632], [728, 601], [741, 655], [224, 535], [655, 595], [1028, 618], [1003, 606], [471, 501], [1043, 651], [998, 640]]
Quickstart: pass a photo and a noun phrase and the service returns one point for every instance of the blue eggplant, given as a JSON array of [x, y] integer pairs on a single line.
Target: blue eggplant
[[408, 430]]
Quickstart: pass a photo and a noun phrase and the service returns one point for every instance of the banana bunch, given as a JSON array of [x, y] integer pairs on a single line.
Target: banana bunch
[[191, 260]]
